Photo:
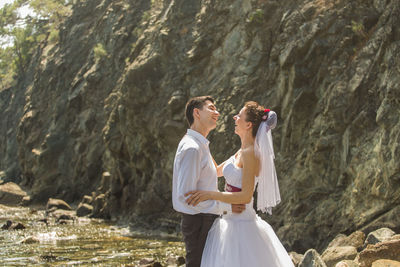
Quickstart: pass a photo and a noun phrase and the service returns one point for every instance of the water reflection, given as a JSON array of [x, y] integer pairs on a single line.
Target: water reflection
[[85, 242]]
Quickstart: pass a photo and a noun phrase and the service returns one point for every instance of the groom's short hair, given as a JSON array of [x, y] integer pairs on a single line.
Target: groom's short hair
[[195, 102]]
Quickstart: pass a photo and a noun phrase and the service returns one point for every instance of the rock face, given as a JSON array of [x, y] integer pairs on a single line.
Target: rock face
[[107, 124]]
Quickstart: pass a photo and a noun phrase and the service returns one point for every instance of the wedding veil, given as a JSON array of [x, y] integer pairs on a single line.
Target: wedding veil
[[268, 195]]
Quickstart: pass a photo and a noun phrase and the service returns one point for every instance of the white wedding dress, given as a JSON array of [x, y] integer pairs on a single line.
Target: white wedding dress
[[242, 240]]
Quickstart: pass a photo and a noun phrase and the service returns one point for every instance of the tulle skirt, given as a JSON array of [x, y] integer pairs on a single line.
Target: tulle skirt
[[243, 240]]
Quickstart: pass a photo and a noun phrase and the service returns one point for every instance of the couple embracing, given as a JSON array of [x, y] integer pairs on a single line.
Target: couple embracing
[[222, 229]]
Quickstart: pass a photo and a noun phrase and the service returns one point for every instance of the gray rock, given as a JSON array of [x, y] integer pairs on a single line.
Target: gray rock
[[30, 240], [57, 204], [347, 263], [379, 235], [356, 240], [333, 255], [11, 194], [312, 259], [146, 261], [26, 200], [61, 214], [10, 225], [87, 200], [7, 225], [84, 209], [98, 205], [385, 263], [295, 257]]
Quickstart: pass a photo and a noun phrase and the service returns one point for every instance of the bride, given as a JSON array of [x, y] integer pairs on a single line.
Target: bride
[[245, 239]]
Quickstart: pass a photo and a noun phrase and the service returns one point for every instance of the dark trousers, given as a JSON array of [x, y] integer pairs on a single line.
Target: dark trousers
[[195, 229]]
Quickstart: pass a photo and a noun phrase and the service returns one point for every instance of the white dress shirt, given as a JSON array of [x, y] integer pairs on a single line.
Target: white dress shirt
[[194, 169]]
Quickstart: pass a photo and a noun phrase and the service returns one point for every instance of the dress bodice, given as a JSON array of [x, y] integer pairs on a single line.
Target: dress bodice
[[232, 173], [233, 178]]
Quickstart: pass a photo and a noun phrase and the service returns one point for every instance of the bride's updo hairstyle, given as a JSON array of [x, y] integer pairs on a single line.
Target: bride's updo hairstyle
[[255, 114]]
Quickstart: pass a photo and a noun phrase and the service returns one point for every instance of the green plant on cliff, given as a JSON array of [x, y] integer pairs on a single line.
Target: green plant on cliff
[[99, 52], [20, 36], [256, 16], [358, 29], [54, 12], [6, 74], [156, 3]]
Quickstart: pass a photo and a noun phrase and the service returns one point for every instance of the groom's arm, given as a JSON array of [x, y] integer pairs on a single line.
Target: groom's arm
[[188, 175]]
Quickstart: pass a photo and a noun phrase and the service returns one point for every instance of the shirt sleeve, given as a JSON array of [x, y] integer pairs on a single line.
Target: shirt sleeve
[[188, 176]]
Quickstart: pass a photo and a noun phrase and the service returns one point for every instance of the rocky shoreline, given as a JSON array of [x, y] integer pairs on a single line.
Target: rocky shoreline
[[59, 212], [378, 248]]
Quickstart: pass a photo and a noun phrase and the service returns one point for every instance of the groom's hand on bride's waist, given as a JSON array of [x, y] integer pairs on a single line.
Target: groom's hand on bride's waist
[[238, 208]]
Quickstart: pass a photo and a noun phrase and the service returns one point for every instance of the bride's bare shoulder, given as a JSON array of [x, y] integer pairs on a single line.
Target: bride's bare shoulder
[[250, 159], [249, 153]]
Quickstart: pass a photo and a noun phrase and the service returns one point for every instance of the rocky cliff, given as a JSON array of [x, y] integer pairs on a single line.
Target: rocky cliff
[[101, 111]]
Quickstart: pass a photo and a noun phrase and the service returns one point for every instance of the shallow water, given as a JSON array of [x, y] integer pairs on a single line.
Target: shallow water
[[84, 242]]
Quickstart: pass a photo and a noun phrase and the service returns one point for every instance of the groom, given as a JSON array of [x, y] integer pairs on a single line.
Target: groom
[[194, 169]]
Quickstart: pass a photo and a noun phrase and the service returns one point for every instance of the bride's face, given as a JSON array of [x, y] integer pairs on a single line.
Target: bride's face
[[241, 125]]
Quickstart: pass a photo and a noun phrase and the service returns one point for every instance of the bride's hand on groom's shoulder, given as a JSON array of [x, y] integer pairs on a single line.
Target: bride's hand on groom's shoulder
[[197, 196]]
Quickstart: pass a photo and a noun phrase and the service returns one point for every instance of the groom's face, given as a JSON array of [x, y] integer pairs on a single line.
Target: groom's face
[[208, 115]]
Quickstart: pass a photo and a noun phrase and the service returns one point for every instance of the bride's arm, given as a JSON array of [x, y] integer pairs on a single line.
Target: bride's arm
[[242, 197], [219, 167]]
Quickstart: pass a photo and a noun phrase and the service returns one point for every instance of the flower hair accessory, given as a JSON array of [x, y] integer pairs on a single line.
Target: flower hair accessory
[[266, 111]]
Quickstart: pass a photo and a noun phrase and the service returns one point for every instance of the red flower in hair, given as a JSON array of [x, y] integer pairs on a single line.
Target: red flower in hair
[[265, 114]]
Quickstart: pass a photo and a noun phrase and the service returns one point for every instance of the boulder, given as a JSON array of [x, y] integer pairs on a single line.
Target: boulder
[[63, 215], [84, 209], [145, 261], [87, 200], [346, 263], [312, 259], [98, 204], [26, 200], [17, 226], [30, 240], [9, 225], [333, 255], [356, 240], [149, 262], [395, 237], [379, 235], [385, 263], [6, 225], [180, 260], [295, 257], [383, 250], [54, 203], [11, 194], [175, 261]]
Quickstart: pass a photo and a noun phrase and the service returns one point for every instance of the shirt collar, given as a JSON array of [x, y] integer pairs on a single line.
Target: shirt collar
[[198, 136]]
